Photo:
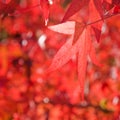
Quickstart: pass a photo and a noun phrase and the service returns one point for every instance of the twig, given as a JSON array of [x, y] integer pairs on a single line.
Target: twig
[[106, 17]]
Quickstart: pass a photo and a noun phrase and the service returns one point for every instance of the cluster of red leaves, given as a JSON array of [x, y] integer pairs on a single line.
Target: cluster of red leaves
[[27, 47], [82, 24]]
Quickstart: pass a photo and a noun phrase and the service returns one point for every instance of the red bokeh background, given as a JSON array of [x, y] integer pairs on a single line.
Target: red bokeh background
[[28, 92]]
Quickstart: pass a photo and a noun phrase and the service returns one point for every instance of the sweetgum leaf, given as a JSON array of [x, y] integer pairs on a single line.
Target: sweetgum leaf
[[69, 27], [82, 45], [94, 14], [95, 20], [93, 57], [79, 27], [91, 49], [75, 6], [61, 57], [66, 52], [82, 62], [65, 28], [97, 29], [82, 27], [99, 7]]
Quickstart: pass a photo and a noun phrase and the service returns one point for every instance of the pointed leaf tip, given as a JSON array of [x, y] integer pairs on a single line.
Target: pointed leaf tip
[[65, 28]]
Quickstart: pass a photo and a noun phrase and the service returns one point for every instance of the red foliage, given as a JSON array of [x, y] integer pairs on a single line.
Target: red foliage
[[33, 88]]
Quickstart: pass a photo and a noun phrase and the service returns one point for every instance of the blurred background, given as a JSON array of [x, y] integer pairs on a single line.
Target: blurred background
[[27, 48]]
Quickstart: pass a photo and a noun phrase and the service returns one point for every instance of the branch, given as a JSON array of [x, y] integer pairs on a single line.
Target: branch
[[80, 106]]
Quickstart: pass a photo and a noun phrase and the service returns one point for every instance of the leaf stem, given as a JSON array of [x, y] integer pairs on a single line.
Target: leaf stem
[[106, 17]]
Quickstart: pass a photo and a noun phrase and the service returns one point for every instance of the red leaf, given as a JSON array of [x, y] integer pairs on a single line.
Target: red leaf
[[91, 48], [97, 33], [97, 30], [61, 57], [98, 5], [93, 58], [66, 52], [83, 46], [69, 27], [82, 63], [93, 13], [80, 42], [45, 9], [75, 6], [79, 27], [107, 5], [65, 28], [95, 20], [116, 9]]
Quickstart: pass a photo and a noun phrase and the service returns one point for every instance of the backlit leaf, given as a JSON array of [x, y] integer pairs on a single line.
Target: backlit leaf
[[75, 6], [66, 52], [82, 62], [65, 28]]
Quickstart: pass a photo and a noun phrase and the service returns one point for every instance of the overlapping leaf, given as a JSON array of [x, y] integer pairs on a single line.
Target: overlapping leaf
[[82, 27], [8, 8], [75, 6], [65, 28], [83, 46]]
